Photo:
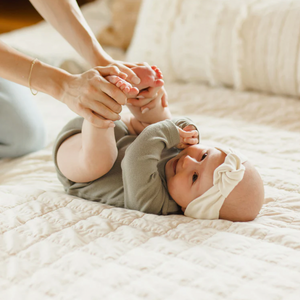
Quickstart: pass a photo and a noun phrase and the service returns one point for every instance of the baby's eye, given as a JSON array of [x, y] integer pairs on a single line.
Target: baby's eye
[[204, 156], [195, 177]]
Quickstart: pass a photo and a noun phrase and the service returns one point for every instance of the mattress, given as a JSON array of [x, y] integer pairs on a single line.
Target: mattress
[[54, 245], [57, 246]]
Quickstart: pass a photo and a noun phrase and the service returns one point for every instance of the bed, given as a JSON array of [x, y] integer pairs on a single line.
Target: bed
[[56, 246]]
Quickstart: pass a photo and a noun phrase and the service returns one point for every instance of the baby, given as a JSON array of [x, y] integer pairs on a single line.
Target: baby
[[153, 164]]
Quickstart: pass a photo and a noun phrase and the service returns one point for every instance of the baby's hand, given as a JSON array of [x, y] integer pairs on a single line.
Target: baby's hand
[[188, 136]]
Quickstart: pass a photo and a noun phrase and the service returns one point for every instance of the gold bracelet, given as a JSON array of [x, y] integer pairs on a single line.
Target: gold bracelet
[[29, 78]]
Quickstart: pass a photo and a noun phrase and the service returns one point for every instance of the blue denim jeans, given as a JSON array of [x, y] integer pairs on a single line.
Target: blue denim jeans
[[22, 129]]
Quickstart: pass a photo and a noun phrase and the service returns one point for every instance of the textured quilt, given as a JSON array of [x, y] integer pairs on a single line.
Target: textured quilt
[[55, 246]]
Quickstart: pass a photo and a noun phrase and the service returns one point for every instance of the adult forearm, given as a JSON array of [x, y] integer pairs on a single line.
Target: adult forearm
[[66, 17], [15, 66]]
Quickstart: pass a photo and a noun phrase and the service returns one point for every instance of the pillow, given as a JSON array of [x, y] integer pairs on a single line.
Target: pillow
[[245, 44], [120, 31], [151, 41]]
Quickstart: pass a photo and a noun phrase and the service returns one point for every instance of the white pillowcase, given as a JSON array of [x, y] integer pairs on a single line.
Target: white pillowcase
[[247, 44]]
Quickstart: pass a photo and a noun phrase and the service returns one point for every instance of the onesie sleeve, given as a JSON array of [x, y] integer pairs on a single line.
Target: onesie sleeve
[[183, 122], [143, 187]]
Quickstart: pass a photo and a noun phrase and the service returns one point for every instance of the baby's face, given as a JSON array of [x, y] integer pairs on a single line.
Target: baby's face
[[190, 173]]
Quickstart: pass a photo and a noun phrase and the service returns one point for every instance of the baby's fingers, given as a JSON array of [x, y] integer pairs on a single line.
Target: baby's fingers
[[190, 141], [189, 134], [189, 128], [188, 137]]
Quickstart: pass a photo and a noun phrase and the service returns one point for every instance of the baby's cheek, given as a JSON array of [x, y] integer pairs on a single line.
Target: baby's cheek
[[175, 190], [171, 187]]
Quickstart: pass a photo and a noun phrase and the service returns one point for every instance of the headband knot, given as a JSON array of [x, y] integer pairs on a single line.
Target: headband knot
[[226, 178]]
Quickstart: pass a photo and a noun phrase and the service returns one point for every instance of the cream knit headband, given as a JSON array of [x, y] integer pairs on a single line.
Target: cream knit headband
[[226, 178]]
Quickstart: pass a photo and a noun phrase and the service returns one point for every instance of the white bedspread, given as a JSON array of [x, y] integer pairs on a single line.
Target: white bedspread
[[55, 246]]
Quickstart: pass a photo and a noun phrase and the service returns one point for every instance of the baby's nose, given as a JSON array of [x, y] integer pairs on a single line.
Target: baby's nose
[[188, 162]]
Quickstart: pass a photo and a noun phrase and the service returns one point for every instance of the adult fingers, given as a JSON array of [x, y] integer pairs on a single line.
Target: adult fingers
[[102, 85], [93, 83], [104, 110], [131, 76], [135, 64], [85, 96], [130, 64], [99, 97], [111, 70]]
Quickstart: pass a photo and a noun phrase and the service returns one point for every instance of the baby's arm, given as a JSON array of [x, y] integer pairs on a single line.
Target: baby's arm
[[88, 155]]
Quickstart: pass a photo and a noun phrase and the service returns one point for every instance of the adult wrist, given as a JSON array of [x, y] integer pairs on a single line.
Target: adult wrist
[[49, 79], [104, 61], [100, 57]]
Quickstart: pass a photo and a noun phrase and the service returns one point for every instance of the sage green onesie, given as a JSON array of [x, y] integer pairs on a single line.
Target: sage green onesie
[[137, 179]]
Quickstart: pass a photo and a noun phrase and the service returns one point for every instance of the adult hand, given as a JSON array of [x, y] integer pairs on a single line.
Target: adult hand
[[91, 96], [125, 67]]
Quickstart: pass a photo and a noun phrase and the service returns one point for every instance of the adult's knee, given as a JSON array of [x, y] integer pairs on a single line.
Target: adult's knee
[[22, 129], [28, 137], [22, 136]]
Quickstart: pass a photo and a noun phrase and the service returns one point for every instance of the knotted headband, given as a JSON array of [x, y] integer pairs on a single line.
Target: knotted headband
[[226, 178]]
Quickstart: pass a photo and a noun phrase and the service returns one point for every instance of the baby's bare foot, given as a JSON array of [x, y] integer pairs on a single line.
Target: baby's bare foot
[[123, 85], [150, 77], [157, 71]]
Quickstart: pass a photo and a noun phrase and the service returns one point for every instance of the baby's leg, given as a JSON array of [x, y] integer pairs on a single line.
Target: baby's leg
[[88, 155]]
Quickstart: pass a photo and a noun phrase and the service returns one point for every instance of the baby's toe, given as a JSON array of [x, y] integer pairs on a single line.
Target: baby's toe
[[133, 92], [158, 83], [157, 72], [112, 79]]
